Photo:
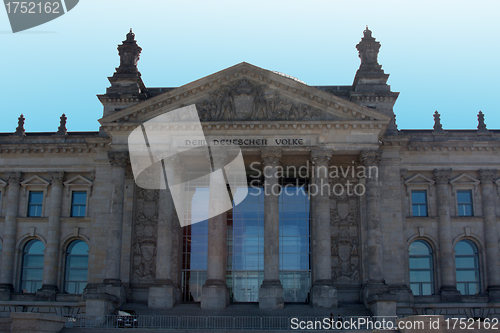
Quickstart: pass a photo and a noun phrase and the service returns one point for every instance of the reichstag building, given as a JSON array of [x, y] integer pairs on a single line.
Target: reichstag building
[[409, 225]]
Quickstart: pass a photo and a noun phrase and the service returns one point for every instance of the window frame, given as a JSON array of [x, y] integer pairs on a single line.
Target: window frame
[[73, 190], [23, 256], [426, 202], [471, 191], [431, 269], [66, 264], [29, 203], [477, 269]]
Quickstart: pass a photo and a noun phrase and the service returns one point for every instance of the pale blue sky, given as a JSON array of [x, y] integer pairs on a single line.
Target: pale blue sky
[[442, 55]]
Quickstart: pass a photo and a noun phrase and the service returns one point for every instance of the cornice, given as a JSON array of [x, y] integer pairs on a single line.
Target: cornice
[[51, 148]]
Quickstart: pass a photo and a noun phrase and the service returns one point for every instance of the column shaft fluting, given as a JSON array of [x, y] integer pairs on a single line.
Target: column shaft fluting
[[490, 228], [10, 229], [118, 161], [370, 160], [51, 258], [446, 251]]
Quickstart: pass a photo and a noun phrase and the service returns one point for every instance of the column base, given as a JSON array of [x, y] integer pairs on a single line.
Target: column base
[[494, 293], [384, 305], [214, 295], [162, 296], [271, 295], [46, 293], [324, 295], [450, 295], [5, 290]]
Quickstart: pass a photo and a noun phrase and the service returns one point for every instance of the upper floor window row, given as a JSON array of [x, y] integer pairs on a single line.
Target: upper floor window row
[[420, 207], [78, 203]]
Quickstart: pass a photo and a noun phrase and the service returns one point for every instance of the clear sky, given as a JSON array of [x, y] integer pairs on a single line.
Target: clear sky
[[441, 55]]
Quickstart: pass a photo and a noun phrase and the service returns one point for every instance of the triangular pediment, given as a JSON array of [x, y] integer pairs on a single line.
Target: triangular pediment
[[248, 93], [35, 181], [419, 179], [464, 179], [78, 181]]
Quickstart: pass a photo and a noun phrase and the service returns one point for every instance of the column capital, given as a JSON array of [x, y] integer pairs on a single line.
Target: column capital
[[56, 177], [487, 176], [321, 155], [13, 177], [370, 157], [118, 159], [442, 176], [271, 157]]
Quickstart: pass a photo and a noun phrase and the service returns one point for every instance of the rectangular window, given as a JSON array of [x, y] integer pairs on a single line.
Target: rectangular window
[[464, 200], [419, 203], [78, 204], [35, 202]]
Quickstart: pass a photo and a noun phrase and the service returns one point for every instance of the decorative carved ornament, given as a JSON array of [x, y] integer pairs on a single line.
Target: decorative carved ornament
[[487, 176], [442, 176], [245, 100], [321, 156], [371, 157], [118, 159], [271, 157]]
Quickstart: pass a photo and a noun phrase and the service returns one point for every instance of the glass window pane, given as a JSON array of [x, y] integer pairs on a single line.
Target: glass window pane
[[464, 196], [78, 247], [35, 247], [36, 198], [465, 262], [420, 276], [464, 248], [426, 289], [419, 197], [415, 288], [79, 197], [420, 263], [467, 275], [419, 248]]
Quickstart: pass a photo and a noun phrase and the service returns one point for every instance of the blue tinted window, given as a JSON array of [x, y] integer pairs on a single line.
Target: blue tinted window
[[464, 201], [421, 268], [77, 262], [78, 204], [419, 203], [467, 267], [35, 202], [32, 270]]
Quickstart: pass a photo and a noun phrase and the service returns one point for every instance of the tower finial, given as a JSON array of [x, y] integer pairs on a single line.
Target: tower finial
[[20, 126], [129, 53], [62, 126], [481, 126], [437, 122]]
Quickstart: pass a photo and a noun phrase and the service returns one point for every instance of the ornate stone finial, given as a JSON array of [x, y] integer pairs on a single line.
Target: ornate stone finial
[[442, 176], [371, 157], [13, 177], [368, 50], [437, 122], [481, 126], [56, 177], [62, 126], [487, 176], [20, 126], [129, 53], [118, 159], [271, 157]]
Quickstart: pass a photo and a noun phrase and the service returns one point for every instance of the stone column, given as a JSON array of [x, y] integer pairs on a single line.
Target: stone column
[[9, 235], [51, 258], [448, 290], [271, 291], [323, 293], [118, 161], [490, 233], [162, 294], [376, 294], [371, 160], [215, 294]]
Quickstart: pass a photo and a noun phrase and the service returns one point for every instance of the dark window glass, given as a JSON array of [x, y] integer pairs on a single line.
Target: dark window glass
[[35, 202], [32, 268], [419, 203], [77, 262], [421, 268], [78, 204], [464, 201], [467, 266]]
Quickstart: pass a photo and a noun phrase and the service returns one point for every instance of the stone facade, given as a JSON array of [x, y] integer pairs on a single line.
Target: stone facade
[[134, 236]]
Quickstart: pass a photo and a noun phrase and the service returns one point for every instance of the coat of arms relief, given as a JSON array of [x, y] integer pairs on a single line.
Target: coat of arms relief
[[345, 231]]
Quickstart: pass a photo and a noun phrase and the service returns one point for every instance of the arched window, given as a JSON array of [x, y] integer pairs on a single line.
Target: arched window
[[32, 272], [421, 268], [77, 263], [467, 265]]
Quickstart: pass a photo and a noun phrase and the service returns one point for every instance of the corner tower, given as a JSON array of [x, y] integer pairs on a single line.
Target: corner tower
[[370, 86]]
